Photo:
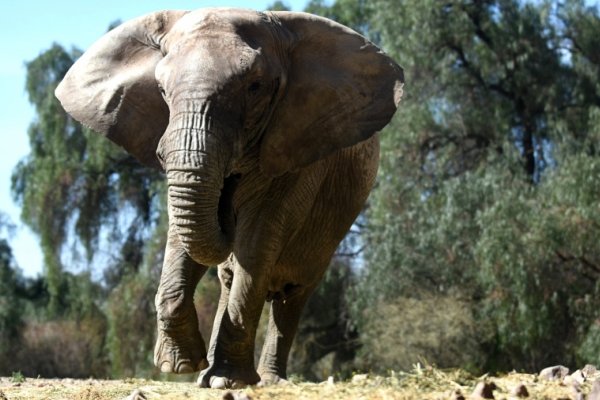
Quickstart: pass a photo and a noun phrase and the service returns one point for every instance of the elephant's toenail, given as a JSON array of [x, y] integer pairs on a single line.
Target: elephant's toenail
[[165, 366], [185, 368], [217, 382]]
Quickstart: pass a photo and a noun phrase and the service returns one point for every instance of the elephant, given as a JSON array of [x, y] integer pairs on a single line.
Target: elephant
[[266, 126]]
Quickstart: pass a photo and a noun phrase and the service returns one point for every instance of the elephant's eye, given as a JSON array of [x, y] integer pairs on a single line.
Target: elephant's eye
[[254, 87]]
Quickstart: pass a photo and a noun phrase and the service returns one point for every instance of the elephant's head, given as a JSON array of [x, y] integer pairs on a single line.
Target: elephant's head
[[194, 91]]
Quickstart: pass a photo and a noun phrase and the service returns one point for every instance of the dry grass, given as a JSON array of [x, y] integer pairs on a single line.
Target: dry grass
[[421, 383]]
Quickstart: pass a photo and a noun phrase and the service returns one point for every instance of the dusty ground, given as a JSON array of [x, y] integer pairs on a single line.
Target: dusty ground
[[422, 383]]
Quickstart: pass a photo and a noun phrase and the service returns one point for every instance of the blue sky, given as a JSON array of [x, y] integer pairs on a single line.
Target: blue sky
[[30, 27]]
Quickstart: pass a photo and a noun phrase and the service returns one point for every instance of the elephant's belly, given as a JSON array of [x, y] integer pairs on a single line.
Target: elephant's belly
[[290, 227], [306, 254]]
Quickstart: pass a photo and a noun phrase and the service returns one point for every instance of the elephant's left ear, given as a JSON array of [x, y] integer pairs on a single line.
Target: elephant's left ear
[[112, 88], [341, 89]]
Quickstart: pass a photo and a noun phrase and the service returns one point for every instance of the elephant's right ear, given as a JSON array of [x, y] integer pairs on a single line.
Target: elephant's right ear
[[112, 88]]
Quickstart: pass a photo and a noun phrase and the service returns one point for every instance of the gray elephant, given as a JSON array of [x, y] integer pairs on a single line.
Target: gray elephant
[[265, 124]]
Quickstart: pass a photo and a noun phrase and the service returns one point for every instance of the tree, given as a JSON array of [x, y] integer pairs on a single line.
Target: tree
[[75, 186], [11, 319], [326, 341], [279, 6], [352, 13], [91, 204], [499, 114]]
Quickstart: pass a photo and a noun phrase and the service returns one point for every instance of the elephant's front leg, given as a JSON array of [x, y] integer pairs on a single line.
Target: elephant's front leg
[[179, 345], [283, 322], [231, 352]]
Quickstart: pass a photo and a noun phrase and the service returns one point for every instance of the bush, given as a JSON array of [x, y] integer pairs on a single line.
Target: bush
[[132, 327], [326, 342], [525, 258], [59, 349], [11, 318], [589, 350], [437, 330]]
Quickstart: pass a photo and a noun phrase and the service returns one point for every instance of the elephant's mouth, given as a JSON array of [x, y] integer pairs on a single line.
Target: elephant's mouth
[[226, 213]]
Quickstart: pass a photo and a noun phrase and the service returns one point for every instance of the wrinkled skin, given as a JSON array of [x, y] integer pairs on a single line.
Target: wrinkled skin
[[265, 124]]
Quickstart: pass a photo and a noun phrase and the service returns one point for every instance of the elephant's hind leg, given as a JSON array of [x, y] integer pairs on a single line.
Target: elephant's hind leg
[[283, 322], [179, 346]]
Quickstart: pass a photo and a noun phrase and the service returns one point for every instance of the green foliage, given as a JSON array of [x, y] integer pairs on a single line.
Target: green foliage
[[11, 320], [540, 264], [524, 257], [57, 348], [62, 348], [326, 342], [131, 336], [279, 6], [206, 300], [405, 331], [82, 194], [17, 377], [352, 13], [131, 313], [589, 350], [75, 184], [488, 188], [9, 301]]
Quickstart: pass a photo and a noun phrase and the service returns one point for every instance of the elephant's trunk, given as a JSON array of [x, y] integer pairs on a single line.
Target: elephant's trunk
[[199, 196]]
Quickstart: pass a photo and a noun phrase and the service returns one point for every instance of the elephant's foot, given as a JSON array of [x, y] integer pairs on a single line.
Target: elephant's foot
[[180, 354], [227, 378], [269, 379], [179, 346]]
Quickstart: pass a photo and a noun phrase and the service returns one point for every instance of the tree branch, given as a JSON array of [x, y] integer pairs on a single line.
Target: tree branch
[[350, 254], [476, 74], [582, 259]]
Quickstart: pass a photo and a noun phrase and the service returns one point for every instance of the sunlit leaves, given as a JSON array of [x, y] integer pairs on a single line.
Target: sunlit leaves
[[75, 187], [488, 186]]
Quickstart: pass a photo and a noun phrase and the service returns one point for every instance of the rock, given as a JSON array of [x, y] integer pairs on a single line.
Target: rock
[[484, 390], [520, 391], [236, 396], [220, 382], [3, 396], [360, 378], [578, 376], [576, 379], [554, 373], [595, 392], [589, 370], [576, 386], [137, 394]]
